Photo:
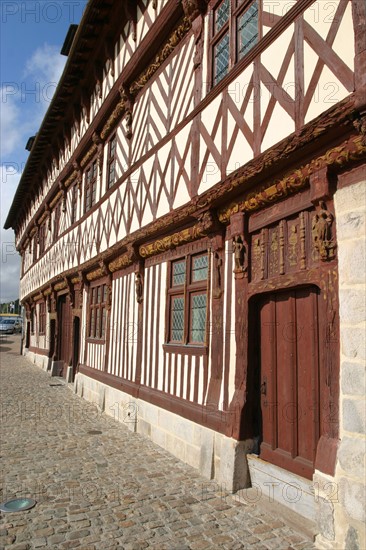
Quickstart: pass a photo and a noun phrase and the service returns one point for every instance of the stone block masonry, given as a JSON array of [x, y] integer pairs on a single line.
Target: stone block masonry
[[350, 508]]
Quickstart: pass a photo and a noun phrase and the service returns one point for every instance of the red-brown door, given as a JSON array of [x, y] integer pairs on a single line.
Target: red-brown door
[[289, 385], [65, 332]]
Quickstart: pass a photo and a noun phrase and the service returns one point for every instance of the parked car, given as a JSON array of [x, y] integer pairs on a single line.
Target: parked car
[[8, 326]]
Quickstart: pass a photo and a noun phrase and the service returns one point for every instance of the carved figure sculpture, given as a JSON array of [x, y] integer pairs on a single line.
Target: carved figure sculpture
[[217, 276], [138, 287], [322, 232], [239, 251]]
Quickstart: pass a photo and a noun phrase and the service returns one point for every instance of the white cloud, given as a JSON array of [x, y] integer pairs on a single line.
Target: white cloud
[[9, 257], [23, 105], [9, 127], [45, 66]]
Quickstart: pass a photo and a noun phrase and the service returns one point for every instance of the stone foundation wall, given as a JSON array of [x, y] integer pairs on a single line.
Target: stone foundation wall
[[40, 360], [350, 501]]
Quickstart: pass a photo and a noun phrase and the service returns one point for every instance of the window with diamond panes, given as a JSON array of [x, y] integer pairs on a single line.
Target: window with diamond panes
[[187, 299], [97, 312], [74, 203], [111, 175], [234, 32], [42, 318], [90, 186]]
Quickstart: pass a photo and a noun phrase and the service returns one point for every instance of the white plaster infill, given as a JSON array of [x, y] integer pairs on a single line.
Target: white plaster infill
[[278, 485]]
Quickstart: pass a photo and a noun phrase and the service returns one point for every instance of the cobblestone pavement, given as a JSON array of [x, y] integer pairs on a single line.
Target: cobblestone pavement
[[100, 486]]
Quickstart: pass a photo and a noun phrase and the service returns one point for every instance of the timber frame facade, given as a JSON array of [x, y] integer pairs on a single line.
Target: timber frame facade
[[181, 223]]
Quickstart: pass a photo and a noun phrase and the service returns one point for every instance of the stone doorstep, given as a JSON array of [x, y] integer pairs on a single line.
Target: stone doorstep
[[301, 515], [305, 527]]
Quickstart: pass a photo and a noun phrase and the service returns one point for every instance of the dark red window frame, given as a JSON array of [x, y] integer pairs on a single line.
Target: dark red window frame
[[97, 312], [111, 164], [42, 239], [32, 319], [56, 221], [42, 317], [74, 203], [90, 185], [188, 303], [34, 243]]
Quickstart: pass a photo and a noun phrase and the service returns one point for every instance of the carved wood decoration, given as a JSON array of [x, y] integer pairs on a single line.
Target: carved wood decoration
[[124, 260], [292, 245], [139, 289], [322, 232], [128, 106], [217, 286], [199, 230], [163, 54], [240, 256], [99, 143], [193, 8]]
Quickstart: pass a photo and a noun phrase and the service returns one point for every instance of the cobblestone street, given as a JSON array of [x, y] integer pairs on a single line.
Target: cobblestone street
[[100, 486]]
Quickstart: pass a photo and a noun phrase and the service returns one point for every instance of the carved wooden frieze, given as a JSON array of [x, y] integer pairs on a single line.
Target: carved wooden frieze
[[197, 231], [124, 260], [352, 149], [113, 119], [274, 192], [60, 286], [89, 155], [56, 199], [173, 41]]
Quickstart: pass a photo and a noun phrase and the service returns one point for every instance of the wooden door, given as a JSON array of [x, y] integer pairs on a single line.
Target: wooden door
[[76, 346], [65, 332], [289, 385]]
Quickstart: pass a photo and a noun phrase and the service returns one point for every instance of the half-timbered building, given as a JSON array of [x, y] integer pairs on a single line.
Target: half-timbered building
[[191, 225]]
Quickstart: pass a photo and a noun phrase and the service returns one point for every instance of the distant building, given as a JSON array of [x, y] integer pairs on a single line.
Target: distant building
[[191, 221]]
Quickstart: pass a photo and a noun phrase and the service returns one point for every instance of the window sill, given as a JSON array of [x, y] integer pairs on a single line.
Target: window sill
[[187, 349], [95, 341]]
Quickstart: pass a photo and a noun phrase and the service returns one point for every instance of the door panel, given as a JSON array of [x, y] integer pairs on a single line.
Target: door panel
[[289, 363]]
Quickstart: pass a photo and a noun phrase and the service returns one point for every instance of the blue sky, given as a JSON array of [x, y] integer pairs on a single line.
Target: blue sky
[[32, 34]]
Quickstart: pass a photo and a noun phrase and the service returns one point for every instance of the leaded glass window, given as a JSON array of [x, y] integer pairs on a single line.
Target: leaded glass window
[[177, 319], [221, 58], [90, 186], [97, 312], [222, 15], [179, 273], [200, 268], [187, 299], [247, 30], [234, 30], [198, 312], [111, 176]]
